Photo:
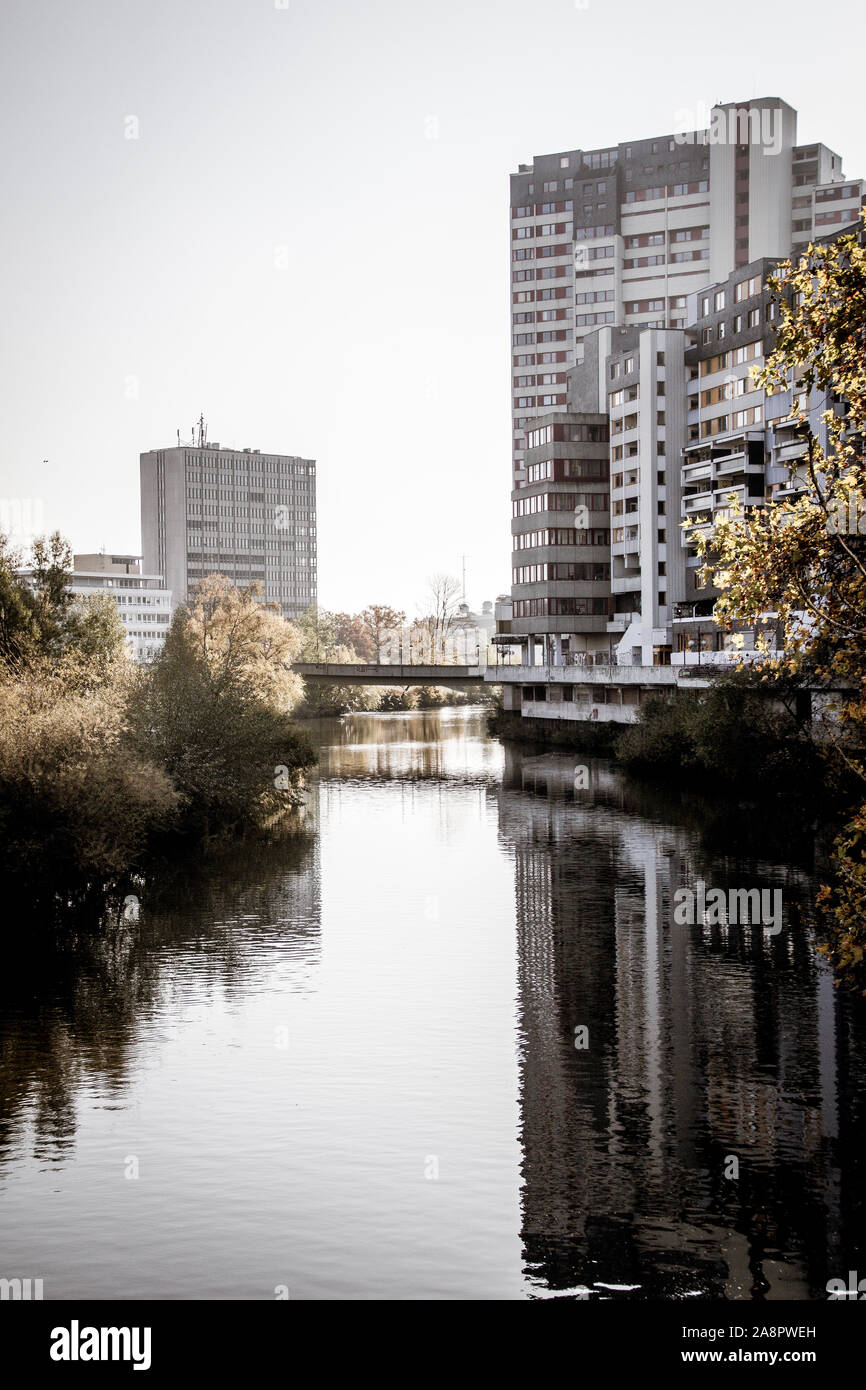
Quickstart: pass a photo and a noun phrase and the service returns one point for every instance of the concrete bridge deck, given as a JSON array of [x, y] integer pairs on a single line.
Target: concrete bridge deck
[[341, 673]]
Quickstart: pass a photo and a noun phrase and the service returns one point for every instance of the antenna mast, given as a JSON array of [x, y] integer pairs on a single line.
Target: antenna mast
[[198, 435]]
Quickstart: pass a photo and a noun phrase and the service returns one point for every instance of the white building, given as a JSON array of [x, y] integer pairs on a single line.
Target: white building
[[142, 601]]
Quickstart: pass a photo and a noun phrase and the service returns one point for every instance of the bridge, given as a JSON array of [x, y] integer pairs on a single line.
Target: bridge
[[343, 673]]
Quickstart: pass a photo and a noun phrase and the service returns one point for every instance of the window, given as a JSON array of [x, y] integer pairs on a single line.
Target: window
[[746, 289], [719, 300]]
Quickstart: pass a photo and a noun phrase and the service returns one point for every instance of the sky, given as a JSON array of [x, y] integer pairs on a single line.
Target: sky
[[292, 217]]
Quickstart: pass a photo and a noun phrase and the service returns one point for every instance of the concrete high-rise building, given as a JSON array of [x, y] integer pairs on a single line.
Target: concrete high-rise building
[[659, 265], [623, 235], [251, 516]]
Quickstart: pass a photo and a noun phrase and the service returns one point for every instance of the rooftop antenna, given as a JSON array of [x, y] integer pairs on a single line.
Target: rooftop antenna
[[464, 559], [197, 435]]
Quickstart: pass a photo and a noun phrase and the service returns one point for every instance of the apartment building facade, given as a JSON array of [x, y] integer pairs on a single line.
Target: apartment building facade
[[143, 603], [249, 515], [668, 365]]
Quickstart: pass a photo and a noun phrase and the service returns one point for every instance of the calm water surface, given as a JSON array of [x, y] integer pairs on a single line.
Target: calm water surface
[[346, 1064]]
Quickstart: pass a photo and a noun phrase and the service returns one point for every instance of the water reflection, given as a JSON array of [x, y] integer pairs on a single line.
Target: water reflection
[[706, 1044], [73, 1003], [451, 914]]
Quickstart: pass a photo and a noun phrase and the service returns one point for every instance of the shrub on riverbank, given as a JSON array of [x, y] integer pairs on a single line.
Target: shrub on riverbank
[[99, 759], [76, 803], [581, 735], [214, 711], [732, 735]]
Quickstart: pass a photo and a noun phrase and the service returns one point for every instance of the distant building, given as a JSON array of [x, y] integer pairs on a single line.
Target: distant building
[[484, 621], [142, 601], [238, 512]]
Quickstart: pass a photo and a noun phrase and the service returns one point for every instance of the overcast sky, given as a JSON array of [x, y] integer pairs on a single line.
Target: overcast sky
[[308, 239]]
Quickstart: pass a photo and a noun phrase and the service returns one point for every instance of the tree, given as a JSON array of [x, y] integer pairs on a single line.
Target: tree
[[52, 573], [94, 628], [316, 634], [214, 709], [245, 646], [351, 631], [77, 803], [443, 592], [381, 623], [19, 627], [805, 559]]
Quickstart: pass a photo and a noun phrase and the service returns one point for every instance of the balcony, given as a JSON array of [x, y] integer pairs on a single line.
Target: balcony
[[608, 673], [697, 502], [697, 472], [620, 622], [787, 453], [743, 499], [732, 463]]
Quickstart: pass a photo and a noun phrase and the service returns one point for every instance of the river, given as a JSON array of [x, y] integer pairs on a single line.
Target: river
[[448, 1042]]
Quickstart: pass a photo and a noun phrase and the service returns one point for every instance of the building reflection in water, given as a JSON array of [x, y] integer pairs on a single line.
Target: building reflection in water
[[706, 1044]]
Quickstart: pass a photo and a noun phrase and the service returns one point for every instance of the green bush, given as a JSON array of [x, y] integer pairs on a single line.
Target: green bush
[[729, 734], [662, 741], [76, 803]]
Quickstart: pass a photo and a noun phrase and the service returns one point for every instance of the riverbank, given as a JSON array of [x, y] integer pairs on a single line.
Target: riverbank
[[734, 739], [563, 734]]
